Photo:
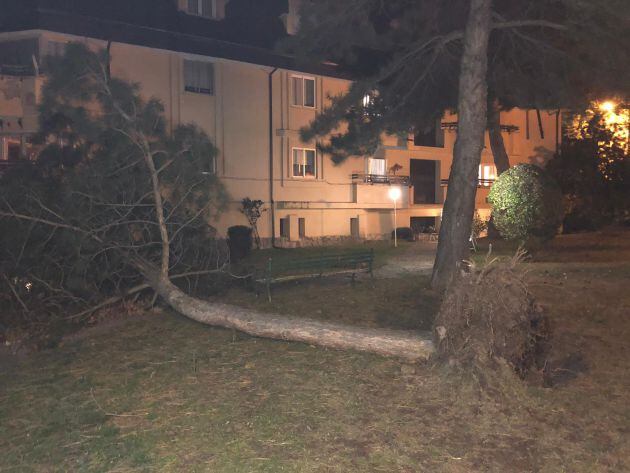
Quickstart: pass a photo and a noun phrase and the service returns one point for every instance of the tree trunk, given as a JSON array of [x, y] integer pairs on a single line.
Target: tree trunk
[[459, 207], [410, 346], [501, 158]]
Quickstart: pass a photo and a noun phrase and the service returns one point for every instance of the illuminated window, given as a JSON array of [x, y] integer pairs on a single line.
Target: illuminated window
[[368, 101], [487, 174], [304, 163], [376, 166], [303, 91], [199, 77], [205, 8]]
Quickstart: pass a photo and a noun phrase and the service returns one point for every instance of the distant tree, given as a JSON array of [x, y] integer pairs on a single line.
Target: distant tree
[[395, 168], [409, 58], [111, 190], [593, 167], [253, 210]]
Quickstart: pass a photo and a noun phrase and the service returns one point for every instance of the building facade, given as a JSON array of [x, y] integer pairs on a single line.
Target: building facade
[[252, 102]]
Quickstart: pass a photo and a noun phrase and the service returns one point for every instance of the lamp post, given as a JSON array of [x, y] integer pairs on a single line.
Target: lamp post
[[394, 194]]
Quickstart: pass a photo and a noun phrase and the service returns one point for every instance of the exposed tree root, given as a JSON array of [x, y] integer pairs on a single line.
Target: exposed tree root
[[489, 320]]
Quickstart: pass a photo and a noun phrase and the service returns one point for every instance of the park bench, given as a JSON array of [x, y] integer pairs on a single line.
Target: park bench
[[347, 262]]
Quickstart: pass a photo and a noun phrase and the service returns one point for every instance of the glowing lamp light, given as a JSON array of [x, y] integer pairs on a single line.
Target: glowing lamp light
[[607, 106], [395, 193]]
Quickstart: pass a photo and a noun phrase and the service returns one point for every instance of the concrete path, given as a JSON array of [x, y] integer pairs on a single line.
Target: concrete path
[[417, 258]]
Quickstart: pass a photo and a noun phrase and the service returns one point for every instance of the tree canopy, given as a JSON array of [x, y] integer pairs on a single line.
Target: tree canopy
[[83, 216], [405, 55]]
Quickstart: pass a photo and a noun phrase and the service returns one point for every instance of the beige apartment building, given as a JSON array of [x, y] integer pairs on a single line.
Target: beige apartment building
[[252, 102]]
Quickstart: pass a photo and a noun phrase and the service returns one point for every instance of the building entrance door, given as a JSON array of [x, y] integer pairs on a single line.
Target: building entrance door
[[423, 175]]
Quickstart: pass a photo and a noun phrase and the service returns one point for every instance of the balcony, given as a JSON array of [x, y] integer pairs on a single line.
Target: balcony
[[372, 191], [386, 179]]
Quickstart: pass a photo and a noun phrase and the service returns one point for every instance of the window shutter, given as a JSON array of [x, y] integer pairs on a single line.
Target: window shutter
[[297, 91], [193, 7], [309, 93], [297, 161], [206, 8], [309, 163], [208, 78]]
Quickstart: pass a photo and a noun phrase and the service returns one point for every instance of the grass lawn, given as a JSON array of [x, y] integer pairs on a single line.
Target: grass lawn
[[161, 393]]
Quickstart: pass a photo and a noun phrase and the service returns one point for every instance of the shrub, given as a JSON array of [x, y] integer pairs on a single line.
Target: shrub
[[240, 242], [404, 233], [526, 203], [253, 210]]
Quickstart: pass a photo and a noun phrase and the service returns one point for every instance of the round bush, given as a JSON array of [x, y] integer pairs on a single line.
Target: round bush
[[526, 202]]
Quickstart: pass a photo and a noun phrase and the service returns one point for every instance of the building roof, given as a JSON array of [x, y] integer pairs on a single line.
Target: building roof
[[241, 39]]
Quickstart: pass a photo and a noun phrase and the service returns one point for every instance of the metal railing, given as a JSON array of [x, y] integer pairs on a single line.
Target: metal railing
[[482, 183], [388, 179], [17, 70]]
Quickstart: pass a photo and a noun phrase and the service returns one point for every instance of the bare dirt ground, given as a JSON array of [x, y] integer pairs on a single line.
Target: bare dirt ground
[[160, 393]]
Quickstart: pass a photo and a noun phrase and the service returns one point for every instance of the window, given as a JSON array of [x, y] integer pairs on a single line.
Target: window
[[354, 227], [304, 163], [376, 167], [432, 137], [199, 77], [205, 8], [423, 224], [303, 91], [487, 174], [284, 227], [302, 227], [55, 48], [367, 101]]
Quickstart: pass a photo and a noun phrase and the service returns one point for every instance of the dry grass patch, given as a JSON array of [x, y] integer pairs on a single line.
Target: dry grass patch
[[178, 396]]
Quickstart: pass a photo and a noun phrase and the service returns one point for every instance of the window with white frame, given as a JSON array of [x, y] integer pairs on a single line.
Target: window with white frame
[[303, 91], [199, 77], [487, 174], [304, 163], [205, 8], [376, 166]]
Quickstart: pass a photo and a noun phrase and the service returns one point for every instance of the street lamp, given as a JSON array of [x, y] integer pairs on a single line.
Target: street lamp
[[394, 194]]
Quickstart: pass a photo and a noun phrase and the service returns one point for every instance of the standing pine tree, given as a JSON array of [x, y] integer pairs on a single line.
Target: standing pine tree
[[409, 57]]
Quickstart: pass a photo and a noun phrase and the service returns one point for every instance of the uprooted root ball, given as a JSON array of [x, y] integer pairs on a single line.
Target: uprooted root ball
[[489, 316]]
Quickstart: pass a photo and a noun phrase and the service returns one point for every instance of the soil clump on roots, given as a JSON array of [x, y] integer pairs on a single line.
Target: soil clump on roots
[[490, 323]]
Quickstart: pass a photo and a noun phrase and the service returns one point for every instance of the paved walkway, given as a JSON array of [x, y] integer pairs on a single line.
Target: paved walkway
[[417, 258]]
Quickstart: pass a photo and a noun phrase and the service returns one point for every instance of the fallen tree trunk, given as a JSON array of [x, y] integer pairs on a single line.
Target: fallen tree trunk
[[407, 345]]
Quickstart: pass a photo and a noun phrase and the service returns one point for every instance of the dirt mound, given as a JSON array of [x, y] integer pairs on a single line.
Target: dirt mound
[[489, 318]]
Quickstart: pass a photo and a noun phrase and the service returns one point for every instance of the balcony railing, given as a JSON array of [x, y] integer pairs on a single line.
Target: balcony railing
[[481, 183], [17, 70], [388, 179]]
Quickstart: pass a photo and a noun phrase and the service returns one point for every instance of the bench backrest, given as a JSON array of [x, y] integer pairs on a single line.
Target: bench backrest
[[323, 262]]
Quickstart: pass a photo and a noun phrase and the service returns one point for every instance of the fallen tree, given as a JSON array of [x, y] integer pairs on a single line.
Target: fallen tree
[[407, 345], [124, 198]]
